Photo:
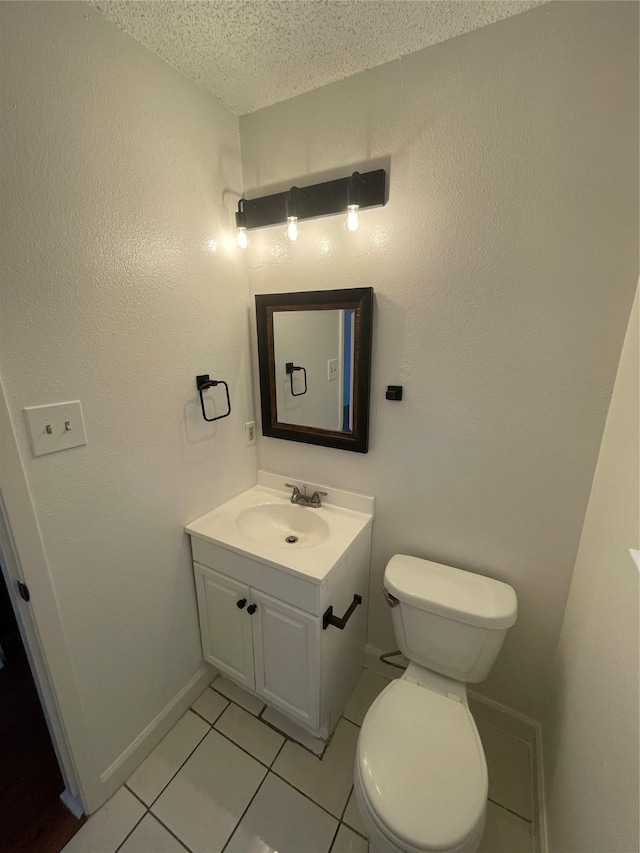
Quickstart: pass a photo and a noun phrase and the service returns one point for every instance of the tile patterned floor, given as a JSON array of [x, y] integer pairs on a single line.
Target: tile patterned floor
[[226, 779]]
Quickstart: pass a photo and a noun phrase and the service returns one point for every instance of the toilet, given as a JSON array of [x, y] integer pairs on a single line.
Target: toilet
[[420, 773]]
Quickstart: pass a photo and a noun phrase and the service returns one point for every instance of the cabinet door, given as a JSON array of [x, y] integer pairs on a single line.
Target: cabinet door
[[225, 628], [287, 658]]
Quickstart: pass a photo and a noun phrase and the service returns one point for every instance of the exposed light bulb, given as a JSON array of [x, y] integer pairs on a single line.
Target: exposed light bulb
[[242, 238], [352, 222], [292, 231]]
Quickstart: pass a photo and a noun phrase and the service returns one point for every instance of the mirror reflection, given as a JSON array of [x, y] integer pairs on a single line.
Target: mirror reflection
[[313, 360]]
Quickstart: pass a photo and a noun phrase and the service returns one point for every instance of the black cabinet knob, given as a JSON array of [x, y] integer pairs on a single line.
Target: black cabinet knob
[[240, 604], [252, 608]]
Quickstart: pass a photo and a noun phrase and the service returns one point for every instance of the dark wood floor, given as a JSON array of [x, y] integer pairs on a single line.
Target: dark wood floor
[[32, 817]]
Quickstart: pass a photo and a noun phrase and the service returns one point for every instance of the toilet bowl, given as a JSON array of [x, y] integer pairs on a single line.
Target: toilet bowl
[[420, 774], [421, 777]]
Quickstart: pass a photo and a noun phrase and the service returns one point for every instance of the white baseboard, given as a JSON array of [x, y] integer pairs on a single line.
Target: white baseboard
[[74, 804], [544, 842], [118, 773], [513, 722], [529, 730]]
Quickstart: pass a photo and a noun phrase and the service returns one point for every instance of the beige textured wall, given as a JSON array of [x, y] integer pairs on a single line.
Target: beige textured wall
[[591, 749], [504, 267], [116, 173]]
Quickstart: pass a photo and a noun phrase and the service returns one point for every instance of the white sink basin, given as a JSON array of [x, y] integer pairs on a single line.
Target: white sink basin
[[257, 523], [287, 526]]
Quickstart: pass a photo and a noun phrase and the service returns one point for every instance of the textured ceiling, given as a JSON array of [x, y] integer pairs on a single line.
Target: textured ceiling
[[254, 53]]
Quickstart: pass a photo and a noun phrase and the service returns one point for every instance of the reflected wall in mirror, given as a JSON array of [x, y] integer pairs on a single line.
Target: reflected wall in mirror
[[314, 385], [314, 351]]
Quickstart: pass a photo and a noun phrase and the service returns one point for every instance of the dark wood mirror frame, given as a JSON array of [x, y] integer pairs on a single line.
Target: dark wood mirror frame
[[361, 300]]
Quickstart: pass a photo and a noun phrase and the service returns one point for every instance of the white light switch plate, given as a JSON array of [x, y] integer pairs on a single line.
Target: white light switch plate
[[56, 427]]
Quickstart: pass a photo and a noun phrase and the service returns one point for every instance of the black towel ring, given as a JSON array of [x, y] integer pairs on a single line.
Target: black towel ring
[[290, 367], [202, 383]]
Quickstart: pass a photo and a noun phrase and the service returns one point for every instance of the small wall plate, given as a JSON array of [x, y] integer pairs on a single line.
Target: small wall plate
[[56, 427]]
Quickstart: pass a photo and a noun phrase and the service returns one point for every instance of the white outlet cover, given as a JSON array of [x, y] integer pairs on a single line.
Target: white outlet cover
[[56, 427], [332, 369], [250, 433]]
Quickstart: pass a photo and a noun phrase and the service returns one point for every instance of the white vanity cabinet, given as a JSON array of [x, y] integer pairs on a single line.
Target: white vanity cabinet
[[260, 642], [261, 605]]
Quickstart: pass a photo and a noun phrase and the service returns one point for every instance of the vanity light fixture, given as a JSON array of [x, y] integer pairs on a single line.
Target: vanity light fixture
[[351, 194], [242, 237], [352, 219]]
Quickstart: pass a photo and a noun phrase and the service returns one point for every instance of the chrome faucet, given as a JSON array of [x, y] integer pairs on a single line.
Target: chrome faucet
[[298, 497]]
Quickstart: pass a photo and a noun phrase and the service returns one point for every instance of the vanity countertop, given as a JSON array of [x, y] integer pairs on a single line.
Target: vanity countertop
[[333, 527]]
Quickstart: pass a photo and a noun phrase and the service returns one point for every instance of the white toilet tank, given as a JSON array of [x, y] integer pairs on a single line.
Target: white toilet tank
[[446, 619]]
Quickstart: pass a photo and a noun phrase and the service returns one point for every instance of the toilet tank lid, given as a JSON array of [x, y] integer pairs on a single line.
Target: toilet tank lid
[[454, 593]]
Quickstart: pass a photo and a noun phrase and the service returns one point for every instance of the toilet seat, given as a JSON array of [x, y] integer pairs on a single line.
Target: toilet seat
[[421, 769]]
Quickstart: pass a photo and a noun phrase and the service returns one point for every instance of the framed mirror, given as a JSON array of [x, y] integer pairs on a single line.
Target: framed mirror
[[314, 351]]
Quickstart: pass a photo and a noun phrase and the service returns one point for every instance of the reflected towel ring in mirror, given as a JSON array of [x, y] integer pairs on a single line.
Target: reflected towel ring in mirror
[[202, 383], [290, 367]]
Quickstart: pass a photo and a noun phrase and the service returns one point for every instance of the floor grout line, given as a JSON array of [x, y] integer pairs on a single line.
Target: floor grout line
[[341, 818], [511, 811], [246, 751], [170, 831], [269, 768], [255, 794], [148, 811], [204, 719], [173, 776], [278, 753], [292, 739], [126, 785], [133, 828], [356, 831], [258, 716], [344, 810], [272, 726], [335, 835], [262, 764], [198, 714], [291, 785]]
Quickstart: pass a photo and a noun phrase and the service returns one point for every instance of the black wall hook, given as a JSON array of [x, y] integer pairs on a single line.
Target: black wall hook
[[290, 367], [202, 383], [394, 392]]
